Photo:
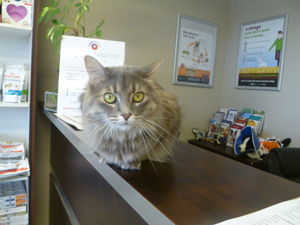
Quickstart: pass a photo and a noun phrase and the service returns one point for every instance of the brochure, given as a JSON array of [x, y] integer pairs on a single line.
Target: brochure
[[73, 77]]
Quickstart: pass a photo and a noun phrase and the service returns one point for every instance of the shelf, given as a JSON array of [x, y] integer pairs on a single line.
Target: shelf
[[13, 30], [227, 152], [16, 105]]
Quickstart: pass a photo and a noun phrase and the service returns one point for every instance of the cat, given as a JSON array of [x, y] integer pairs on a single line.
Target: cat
[[127, 116]]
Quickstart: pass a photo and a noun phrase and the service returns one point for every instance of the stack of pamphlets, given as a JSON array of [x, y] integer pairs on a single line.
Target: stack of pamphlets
[[229, 123], [13, 202], [12, 160], [13, 194]]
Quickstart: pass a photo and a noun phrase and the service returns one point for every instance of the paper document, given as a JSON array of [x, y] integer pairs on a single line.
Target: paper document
[[75, 121], [285, 213], [73, 77]]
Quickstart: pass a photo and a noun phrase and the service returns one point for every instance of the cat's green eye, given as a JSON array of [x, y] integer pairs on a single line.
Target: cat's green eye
[[138, 97], [110, 98]]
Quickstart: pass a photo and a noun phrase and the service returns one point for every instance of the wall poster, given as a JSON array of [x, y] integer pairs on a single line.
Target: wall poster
[[261, 53], [194, 52]]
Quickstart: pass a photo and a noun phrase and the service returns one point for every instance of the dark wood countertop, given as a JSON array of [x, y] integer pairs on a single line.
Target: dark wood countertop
[[197, 187]]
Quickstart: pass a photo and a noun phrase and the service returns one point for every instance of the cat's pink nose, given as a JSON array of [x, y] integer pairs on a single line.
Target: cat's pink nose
[[126, 115]]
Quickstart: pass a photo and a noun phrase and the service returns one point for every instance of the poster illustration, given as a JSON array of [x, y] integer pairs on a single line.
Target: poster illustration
[[195, 48], [261, 54]]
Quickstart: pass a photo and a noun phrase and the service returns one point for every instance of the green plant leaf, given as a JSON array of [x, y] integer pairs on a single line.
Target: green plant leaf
[[57, 10], [86, 8], [64, 9], [53, 14], [49, 32], [43, 14], [99, 33], [91, 34], [57, 3], [67, 10], [67, 28], [62, 19], [79, 10], [48, 17], [55, 22], [78, 18], [100, 25], [83, 30]]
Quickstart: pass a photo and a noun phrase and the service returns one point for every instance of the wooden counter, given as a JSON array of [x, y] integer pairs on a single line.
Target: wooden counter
[[197, 187]]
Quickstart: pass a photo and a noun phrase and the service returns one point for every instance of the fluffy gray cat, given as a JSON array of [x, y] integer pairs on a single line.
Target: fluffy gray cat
[[127, 116]]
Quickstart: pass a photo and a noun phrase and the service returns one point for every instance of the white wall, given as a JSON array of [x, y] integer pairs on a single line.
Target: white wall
[[282, 107]]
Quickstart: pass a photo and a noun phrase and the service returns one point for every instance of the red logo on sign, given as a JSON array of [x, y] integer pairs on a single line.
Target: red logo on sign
[[94, 46]]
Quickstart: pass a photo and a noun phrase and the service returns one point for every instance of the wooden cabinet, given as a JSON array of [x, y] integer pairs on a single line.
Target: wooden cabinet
[[86, 196], [198, 187], [19, 45]]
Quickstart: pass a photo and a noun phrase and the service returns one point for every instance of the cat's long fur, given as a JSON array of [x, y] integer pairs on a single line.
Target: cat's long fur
[[148, 128]]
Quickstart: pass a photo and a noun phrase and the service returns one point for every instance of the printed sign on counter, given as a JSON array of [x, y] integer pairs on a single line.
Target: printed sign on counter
[[73, 76]]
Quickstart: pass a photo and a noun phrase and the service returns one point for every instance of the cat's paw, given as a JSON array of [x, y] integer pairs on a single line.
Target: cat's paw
[[135, 165]]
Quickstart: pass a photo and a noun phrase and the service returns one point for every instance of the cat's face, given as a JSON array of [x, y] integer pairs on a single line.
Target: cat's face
[[121, 96]]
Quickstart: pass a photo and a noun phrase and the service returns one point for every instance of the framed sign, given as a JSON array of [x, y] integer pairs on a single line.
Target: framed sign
[[261, 53], [194, 52]]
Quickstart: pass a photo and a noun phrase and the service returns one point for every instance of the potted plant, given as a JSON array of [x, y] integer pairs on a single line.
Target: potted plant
[[73, 11]]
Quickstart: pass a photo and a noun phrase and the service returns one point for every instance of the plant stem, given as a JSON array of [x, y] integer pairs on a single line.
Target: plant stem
[[83, 22]]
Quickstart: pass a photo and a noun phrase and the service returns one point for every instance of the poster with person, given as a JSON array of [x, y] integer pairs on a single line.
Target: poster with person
[[261, 53]]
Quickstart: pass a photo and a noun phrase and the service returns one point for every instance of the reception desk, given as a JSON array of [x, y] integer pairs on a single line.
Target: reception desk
[[196, 187]]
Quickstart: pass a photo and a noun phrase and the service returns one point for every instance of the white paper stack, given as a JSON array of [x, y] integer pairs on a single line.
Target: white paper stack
[[12, 160]]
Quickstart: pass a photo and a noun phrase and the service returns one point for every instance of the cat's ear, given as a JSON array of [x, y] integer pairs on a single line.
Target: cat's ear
[[94, 69], [149, 70]]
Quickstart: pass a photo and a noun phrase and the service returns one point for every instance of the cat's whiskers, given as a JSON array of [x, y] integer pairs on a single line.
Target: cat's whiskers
[[166, 138], [154, 137], [152, 122], [110, 131], [151, 145], [94, 128], [143, 138], [161, 144], [106, 133], [101, 136]]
